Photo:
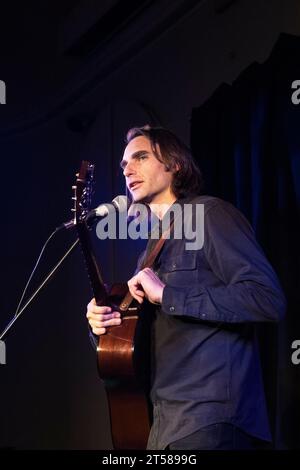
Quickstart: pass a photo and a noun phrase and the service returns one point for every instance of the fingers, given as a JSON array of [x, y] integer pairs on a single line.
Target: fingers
[[100, 318], [136, 289], [146, 284], [99, 327], [94, 309]]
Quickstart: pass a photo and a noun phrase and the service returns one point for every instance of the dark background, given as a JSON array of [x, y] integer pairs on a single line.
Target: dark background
[[78, 74]]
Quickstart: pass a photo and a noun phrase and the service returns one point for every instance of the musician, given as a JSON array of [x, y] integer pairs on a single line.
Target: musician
[[206, 388]]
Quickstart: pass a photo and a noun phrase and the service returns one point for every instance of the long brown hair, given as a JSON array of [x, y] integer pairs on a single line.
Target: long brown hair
[[169, 150]]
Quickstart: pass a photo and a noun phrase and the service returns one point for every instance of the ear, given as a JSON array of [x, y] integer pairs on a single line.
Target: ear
[[174, 169]]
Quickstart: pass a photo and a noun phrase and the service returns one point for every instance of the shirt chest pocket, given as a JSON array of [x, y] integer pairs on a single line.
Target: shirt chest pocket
[[179, 270]]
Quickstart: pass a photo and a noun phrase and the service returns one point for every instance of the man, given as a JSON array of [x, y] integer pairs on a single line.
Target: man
[[206, 385]]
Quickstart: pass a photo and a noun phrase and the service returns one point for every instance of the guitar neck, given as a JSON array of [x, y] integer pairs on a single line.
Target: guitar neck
[[93, 270]]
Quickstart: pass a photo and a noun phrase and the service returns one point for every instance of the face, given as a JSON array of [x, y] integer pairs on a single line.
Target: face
[[146, 178]]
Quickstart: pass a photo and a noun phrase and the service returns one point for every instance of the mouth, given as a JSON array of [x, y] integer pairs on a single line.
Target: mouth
[[134, 185]]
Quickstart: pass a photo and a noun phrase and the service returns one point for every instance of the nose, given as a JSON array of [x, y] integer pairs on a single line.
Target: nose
[[129, 169]]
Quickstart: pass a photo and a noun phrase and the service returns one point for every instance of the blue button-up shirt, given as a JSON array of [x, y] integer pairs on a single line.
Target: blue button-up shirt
[[205, 359]]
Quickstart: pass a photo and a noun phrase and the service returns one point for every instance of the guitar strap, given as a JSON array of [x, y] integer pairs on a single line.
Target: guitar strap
[[148, 263], [150, 259]]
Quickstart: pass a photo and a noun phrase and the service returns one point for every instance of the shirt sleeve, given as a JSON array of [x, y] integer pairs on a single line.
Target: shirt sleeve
[[247, 290]]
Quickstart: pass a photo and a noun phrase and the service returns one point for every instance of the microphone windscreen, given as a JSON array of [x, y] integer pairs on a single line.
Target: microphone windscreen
[[121, 203]]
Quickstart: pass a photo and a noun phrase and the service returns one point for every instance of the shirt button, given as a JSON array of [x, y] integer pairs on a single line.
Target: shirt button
[[174, 265], [172, 309]]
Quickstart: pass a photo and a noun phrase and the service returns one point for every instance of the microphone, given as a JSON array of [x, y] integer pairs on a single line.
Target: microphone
[[119, 203]]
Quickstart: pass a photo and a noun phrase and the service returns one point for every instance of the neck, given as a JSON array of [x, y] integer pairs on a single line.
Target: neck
[[160, 208]]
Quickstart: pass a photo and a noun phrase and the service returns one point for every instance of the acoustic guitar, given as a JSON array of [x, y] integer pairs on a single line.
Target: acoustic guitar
[[123, 352]]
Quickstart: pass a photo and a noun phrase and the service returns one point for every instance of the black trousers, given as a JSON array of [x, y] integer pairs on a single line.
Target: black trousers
[[220, 436]]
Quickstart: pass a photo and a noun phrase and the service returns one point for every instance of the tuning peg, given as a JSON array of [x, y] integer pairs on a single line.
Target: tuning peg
[[73, 210], [74, 198], [74, 187]]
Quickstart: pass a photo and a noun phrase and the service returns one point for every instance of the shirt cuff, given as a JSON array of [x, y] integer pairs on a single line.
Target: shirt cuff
[[173, 301], [93, 338]]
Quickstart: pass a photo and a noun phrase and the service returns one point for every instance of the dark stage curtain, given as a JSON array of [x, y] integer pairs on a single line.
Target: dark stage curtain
[[246, 138]]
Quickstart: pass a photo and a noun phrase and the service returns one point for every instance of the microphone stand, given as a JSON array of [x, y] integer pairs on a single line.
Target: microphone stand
[[47, 278]]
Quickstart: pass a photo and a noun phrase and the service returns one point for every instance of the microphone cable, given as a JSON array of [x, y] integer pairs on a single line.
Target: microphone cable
[[60, 227]]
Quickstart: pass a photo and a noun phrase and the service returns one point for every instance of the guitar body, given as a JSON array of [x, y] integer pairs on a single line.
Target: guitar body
[[127, 401], [123, 364], [123, 352]]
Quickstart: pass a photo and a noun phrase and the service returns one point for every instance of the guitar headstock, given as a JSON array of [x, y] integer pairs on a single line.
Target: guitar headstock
[[83, 190]]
